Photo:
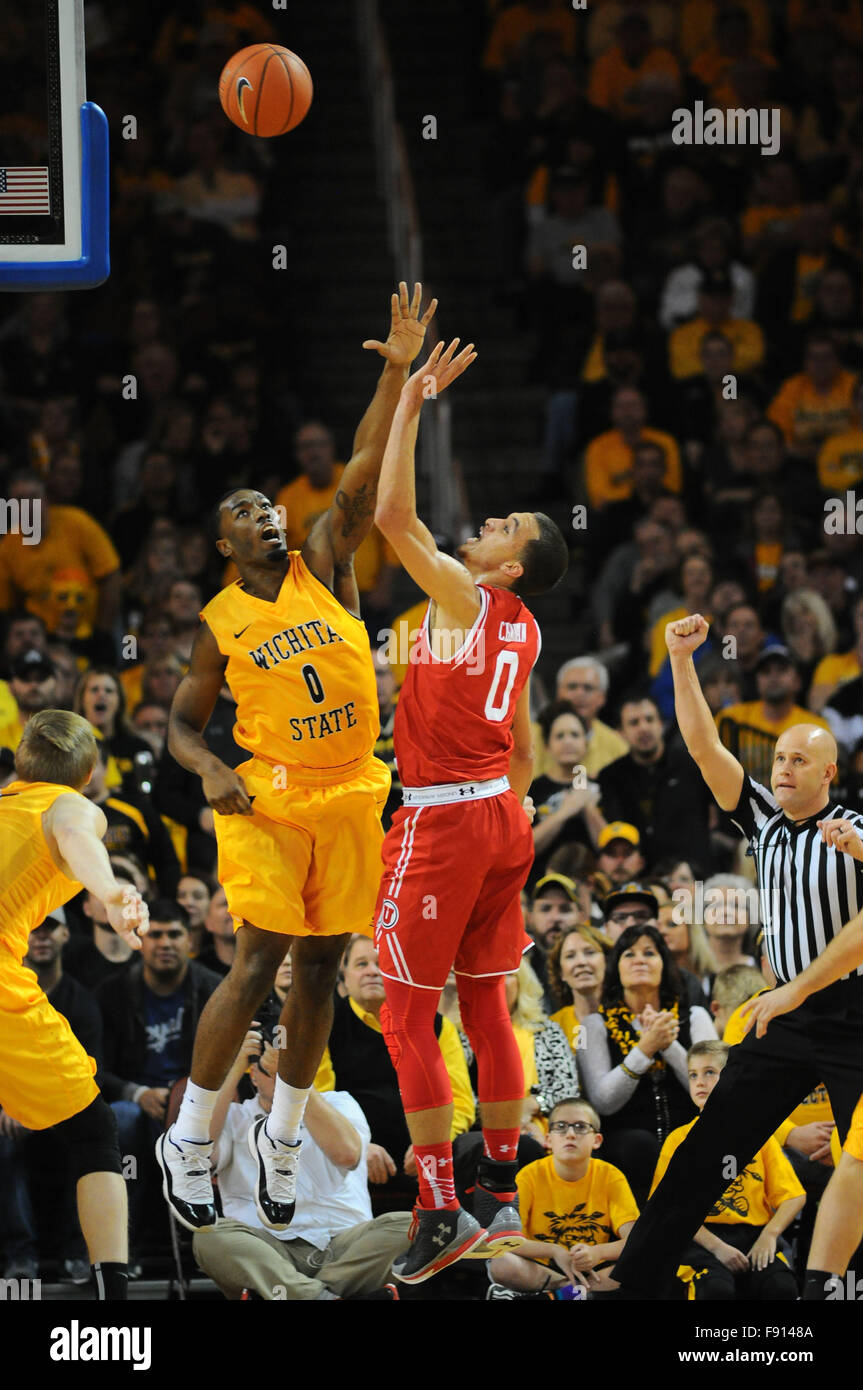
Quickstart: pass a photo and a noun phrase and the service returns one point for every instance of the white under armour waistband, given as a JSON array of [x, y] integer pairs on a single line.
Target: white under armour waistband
[[453, 791]]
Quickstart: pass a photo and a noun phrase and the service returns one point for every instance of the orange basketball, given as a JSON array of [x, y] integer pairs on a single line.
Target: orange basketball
[[265, 89]]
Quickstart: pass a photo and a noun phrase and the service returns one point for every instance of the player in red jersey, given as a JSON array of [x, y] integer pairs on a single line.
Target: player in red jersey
[[460, 848]]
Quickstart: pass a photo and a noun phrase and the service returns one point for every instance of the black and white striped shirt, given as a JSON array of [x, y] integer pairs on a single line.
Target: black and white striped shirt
[[807, 890]]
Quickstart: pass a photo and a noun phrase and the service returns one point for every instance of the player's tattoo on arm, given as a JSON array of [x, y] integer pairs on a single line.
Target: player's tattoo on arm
[[356, 507]]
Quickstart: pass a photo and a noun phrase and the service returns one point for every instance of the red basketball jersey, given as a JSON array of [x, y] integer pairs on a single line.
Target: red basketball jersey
[[454, 718]]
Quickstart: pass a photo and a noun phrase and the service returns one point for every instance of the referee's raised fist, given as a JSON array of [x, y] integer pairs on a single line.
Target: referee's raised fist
[[686, 635]]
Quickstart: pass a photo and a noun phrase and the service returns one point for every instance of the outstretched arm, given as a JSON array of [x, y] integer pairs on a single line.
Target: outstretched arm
[[719, 768], [335, 538], [74, 834], [445, 581]]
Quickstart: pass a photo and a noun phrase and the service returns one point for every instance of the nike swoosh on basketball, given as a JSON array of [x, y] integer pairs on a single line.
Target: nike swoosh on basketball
[[242, 84], [239, 634]]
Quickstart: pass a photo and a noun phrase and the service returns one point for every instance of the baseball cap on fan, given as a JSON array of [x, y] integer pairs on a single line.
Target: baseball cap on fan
[[628, 896], [618, 830], [32, 664], [557, 881], [774, 651]]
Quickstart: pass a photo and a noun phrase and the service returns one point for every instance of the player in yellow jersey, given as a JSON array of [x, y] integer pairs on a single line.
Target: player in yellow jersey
[[51, 846], [298, 824]]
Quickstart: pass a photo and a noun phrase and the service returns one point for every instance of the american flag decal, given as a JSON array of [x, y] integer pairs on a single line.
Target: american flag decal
[[24, 191]]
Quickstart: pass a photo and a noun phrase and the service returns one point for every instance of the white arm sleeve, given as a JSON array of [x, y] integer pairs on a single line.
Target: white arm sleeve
[[608, 1087]]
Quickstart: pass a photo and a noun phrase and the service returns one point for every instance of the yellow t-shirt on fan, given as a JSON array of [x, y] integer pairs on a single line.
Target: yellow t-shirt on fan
[[752, 1197], [588, 1212]]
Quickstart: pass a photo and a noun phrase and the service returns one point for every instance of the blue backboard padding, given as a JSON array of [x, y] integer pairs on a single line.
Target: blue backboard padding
[[95, 264]]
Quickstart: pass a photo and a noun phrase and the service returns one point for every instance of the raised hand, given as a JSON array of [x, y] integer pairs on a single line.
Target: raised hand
[[435, 375], [407, 329], [686, 635]]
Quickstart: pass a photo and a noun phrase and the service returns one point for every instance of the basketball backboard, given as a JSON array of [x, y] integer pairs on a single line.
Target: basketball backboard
[[53, 152]]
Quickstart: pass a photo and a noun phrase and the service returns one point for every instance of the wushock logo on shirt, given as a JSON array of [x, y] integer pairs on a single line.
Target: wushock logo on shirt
[[577, 1227], [735, 1198]]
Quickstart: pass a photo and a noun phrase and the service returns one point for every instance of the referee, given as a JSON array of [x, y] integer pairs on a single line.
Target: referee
[[809, 856]]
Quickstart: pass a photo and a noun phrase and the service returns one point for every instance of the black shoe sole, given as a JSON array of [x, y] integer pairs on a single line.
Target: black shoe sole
[[443, 1262]]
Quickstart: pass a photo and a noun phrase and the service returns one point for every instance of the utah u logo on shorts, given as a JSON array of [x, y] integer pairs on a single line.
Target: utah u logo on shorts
[[389, 914]]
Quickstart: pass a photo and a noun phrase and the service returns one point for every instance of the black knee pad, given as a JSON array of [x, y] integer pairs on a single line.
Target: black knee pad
[[91, 1137]]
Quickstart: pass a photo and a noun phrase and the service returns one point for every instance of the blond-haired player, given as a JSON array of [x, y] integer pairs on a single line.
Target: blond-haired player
[[51, 847], [298, 824]]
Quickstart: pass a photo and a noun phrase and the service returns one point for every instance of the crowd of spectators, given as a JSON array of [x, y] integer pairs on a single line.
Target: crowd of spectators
[[703, 405]]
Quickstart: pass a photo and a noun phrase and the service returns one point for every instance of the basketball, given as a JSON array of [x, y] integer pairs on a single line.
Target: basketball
[[265, 89]]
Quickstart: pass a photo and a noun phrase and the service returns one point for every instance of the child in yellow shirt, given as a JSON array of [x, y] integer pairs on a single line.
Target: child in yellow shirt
[[576, 1211], [734, 1254]]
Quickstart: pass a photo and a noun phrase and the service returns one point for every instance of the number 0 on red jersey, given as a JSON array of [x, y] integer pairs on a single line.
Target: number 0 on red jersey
[[453, 872]]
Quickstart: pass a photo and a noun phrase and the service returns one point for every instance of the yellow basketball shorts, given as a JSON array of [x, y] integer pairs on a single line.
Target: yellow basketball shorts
[[307, 862], [854, 1138], [45, 1074]]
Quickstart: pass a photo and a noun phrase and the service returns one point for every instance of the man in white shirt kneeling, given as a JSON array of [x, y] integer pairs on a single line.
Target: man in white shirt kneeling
[[333, 1248]]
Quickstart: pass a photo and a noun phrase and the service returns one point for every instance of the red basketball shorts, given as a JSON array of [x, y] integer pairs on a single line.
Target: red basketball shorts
[[450, 891]]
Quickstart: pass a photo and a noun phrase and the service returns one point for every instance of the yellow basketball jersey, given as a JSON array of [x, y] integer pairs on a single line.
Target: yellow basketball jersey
[[300, 671], [32, 885]]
